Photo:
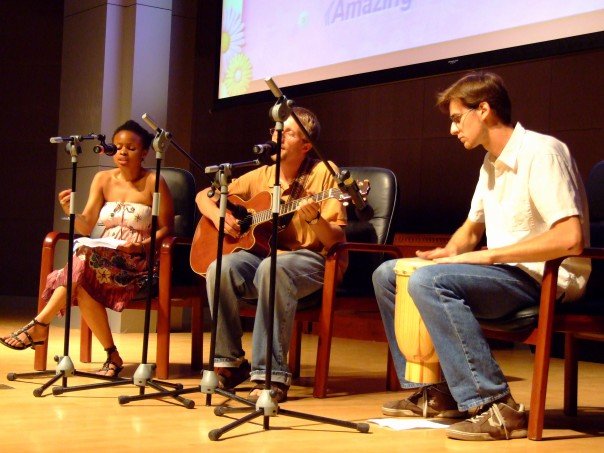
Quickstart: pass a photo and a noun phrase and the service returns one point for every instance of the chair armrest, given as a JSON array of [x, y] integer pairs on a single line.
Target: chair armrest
[[49, 245], [547, 302], [166, 254], [592, 252], [550, 271], [53, 237], [169, 242], [339, 248], [337, 251]]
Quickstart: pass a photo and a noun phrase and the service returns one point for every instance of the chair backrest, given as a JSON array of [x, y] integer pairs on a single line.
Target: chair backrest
[[182, 187], [595, 195], [382, 198]]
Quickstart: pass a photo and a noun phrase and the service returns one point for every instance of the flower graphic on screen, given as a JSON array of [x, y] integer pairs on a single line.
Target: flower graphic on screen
[[238, 75], [231, 41]]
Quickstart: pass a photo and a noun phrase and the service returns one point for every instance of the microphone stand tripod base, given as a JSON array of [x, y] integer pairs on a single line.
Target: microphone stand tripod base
[[143, 374], [266, 403], [209, 382], [65, 366]]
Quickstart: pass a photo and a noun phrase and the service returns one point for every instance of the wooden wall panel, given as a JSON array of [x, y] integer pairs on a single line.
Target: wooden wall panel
[[396, 125]]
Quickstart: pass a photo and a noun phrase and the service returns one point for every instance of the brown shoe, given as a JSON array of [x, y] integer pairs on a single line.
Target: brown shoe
[[432, 401], [229, 378], [498, 421], [278, 389]]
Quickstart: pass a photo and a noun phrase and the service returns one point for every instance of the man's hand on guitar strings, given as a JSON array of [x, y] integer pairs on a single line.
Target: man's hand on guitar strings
[[231, 225]]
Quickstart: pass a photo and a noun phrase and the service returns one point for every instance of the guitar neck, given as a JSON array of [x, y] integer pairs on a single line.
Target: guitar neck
[[291, 206]]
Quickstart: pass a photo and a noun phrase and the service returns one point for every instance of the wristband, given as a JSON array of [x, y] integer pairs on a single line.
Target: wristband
[[315, 220]]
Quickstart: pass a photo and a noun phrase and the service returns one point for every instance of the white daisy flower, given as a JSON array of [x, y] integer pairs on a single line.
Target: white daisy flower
[[232, 40]]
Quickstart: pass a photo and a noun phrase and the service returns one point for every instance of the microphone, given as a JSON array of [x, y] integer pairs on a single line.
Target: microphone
[[162, 137], [269, 147], [273, 87], [362, 209], [108, 149], [60, 139], [72, 138], [104, 148], [265, 150], [152, 124]]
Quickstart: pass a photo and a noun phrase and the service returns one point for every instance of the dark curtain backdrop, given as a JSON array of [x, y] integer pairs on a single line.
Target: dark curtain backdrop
[[30, 57]]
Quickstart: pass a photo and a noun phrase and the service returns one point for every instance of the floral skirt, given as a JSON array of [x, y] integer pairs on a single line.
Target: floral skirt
[[111, 277]]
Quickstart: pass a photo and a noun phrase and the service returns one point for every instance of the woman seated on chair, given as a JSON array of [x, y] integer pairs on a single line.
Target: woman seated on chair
[[109, 276]]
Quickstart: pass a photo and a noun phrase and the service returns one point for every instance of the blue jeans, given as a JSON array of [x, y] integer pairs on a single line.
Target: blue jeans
[[450, 299], [247, 276]]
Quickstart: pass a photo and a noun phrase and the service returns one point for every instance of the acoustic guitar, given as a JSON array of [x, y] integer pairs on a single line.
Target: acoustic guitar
[[254, 217]]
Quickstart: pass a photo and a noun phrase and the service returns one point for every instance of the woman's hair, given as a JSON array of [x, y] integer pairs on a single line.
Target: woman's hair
[[310, 122], [477, 87], [132, 126]]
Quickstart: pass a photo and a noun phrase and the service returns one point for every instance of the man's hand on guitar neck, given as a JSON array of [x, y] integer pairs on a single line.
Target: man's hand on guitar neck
[[328, 233], [309, 210]]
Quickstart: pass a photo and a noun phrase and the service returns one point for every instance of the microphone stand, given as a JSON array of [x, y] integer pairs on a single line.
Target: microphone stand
[[267, 406], [65, 368], [209, 381], [143, 376]]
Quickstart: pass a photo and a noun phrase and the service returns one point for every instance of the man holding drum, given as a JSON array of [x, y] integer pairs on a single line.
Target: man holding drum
[[531, 203]]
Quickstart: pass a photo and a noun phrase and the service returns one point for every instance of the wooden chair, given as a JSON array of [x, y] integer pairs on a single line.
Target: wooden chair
[[582, 319], [368, 238], [177, 285]]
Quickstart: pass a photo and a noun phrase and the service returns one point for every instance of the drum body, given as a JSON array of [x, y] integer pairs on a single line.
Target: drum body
[[411, 334]]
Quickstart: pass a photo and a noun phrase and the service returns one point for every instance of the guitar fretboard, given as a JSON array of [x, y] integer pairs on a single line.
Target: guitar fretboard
[[291, 206]]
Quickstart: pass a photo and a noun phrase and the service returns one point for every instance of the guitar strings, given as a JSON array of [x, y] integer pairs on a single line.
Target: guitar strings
[[286, 208]]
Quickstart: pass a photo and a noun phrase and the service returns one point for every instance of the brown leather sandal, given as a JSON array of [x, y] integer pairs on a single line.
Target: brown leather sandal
[[110, 365], [15, 336], [278, 389], [229, 378]]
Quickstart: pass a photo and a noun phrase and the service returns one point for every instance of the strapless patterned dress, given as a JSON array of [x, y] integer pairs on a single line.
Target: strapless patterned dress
[[111, 277]]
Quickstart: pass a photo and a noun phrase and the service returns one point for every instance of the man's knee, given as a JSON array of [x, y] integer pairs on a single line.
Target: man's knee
[[211, 271], [422, 280], [264, 268], [383, 275]]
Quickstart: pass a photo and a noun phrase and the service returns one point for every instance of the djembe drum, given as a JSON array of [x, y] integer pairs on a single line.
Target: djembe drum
[[412, 336]]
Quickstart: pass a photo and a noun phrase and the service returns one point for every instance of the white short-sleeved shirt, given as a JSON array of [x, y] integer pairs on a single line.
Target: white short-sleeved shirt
[[532, 184]]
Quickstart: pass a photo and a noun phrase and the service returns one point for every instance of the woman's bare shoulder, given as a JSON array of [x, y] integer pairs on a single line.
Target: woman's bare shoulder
[[105, 175]]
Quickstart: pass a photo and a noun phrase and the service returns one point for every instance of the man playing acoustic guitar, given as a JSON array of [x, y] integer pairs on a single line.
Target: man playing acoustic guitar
[[303, 241]]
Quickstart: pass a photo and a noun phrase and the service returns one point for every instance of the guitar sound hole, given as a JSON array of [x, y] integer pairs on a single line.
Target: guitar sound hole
[[245, 223]]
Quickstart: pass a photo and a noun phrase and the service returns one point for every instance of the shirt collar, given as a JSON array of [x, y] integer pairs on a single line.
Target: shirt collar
[[508, 159]]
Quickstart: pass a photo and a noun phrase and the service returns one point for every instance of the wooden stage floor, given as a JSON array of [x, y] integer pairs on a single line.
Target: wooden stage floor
[[93, 420]]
